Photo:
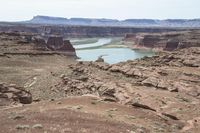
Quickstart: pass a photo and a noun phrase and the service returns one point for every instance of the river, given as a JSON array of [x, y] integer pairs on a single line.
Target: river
[[110, 55], [100, 42]]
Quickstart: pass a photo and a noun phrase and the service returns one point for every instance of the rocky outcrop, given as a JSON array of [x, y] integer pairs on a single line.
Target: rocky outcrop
[[28, 43], [13, 93], [84, 83], [100, 59], [54, 43], [165, 41], [155, 71], [39, 42], [57, 44], [82, 80], [152, 72], [67, 46]]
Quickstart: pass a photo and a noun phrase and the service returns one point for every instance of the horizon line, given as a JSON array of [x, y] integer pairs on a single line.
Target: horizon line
[[102, 18]]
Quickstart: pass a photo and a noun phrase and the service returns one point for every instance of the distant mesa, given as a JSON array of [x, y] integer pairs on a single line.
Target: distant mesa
[[115, 22]]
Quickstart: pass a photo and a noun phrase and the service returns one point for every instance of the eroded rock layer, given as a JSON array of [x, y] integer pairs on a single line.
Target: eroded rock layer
[[28, 43], [165, 41], [80, 31]]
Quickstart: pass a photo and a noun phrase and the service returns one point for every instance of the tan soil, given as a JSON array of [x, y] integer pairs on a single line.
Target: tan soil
[[158, 94]]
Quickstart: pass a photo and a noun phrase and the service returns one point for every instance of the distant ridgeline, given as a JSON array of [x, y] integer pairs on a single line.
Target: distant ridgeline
[[84, 27], [114, 22]]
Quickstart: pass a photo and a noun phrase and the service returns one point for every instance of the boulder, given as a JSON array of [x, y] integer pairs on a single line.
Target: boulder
[[100, 59], [142, 106], [13, 93], [151, 81]]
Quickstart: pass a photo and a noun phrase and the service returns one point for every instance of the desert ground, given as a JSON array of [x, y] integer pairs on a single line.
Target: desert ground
[[43, 88]]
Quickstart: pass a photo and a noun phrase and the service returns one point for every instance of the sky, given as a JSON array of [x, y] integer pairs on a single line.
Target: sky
[[19, 10]]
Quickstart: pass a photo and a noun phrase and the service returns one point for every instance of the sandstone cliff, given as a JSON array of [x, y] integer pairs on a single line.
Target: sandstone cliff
[[165, 41], [57, 44], [14, 43], [80, 31]]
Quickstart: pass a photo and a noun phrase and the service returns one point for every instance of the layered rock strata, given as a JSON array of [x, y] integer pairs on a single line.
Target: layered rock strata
[[164, 41]]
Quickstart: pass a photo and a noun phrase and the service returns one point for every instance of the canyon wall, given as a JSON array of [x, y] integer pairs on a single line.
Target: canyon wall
[[80, 31], [165, 41]]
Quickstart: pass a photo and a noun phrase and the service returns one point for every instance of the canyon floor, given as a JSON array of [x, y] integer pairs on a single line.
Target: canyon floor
[[152, 94]]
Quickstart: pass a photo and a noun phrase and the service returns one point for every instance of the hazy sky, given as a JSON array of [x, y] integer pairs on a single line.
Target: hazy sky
[[14, 10]]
